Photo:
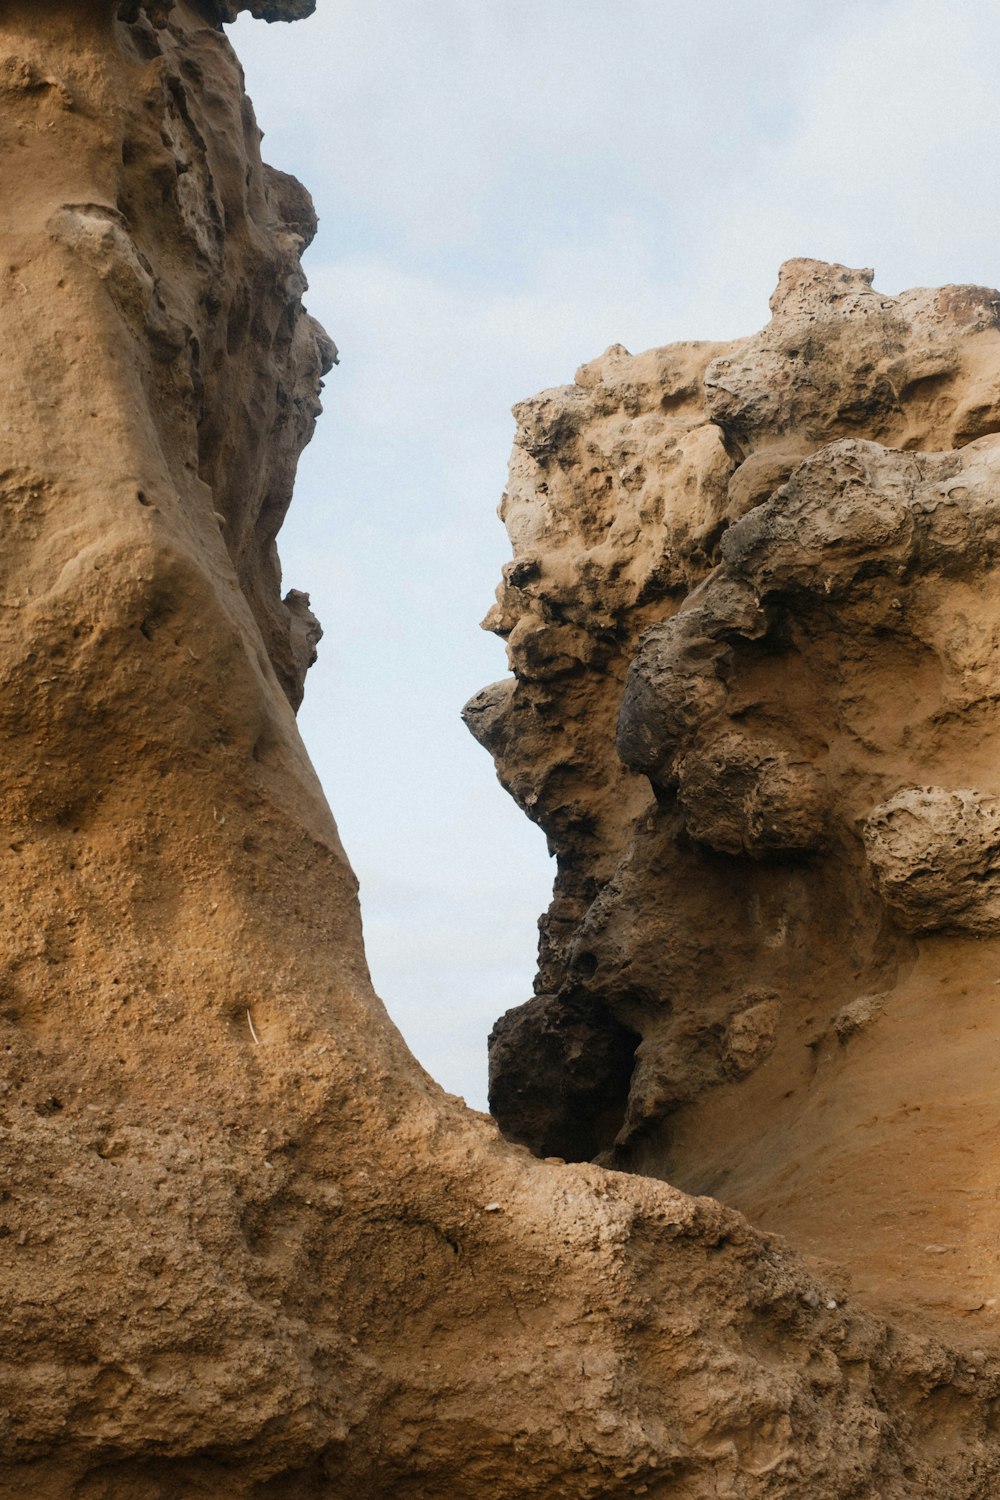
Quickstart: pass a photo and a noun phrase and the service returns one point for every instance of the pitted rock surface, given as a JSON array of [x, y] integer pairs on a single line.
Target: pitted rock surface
[[935, 856], [753, 626]]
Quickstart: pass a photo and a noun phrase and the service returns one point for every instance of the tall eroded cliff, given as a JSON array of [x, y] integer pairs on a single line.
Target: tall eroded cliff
[[247, 1248], [753, 621]]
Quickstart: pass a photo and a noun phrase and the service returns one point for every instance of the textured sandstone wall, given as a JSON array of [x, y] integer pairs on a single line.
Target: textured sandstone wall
[[753, 620], [247, 1248]]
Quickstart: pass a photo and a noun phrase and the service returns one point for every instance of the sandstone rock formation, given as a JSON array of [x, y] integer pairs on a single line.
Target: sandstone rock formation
[[753, 621], [247, 1248]]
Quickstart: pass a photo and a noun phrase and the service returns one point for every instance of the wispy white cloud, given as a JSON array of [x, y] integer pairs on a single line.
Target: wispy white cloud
[[896, 130]]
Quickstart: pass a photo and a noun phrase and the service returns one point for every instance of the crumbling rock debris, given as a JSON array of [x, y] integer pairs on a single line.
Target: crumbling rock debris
[[247, 1248], [304, 633], [751, 1035], [858, 1014]]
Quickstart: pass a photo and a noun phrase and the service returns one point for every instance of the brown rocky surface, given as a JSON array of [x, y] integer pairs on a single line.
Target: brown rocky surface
[[753, 622], [247, 1247]]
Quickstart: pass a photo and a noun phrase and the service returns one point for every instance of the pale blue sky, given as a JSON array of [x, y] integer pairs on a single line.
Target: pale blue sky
[[506, 187]]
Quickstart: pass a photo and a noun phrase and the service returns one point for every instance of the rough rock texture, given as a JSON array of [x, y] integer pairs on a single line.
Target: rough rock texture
[[752, 616], [216, 10], [247, 1248], [935, 856]]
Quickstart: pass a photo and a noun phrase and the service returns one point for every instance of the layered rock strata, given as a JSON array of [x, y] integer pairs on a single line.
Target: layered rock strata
[[753, 622], [247, 1248]]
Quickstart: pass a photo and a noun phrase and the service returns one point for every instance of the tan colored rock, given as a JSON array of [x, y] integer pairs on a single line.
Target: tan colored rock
[[839, 359], [247, 1248], [858, 1014], [756, 781], [935, 856], [751, 1035], [750, 796]]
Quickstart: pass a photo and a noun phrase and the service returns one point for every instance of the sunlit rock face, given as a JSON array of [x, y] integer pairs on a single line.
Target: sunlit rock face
[[753, 620], [248, 1250]]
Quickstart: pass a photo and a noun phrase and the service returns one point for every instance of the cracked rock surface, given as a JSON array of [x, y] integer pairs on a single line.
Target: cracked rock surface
[[247, 1247]]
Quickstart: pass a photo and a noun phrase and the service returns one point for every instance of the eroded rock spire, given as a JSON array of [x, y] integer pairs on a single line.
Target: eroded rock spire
[[752, 618]]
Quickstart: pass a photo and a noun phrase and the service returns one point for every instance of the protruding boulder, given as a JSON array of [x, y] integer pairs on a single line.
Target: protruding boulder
[[746, 796], [935, 856]]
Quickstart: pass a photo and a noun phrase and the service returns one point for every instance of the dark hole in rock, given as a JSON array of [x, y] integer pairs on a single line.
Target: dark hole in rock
[[559, 1075]]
